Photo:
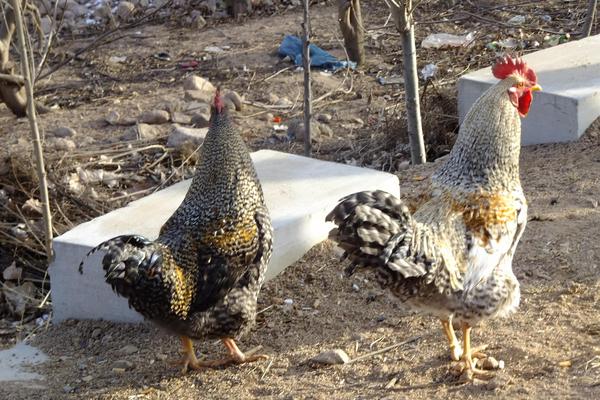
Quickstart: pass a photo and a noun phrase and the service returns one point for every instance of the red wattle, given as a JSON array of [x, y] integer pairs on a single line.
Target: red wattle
[[524, 103]]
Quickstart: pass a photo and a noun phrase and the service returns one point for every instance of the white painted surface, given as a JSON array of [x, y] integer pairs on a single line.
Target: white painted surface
[[570, 101], [14, 363], [299, 193]]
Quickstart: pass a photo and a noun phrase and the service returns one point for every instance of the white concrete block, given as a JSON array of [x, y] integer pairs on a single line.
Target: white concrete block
[[299, 193], [570, 102]]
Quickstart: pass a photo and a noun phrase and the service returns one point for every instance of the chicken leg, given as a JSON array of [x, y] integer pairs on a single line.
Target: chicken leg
[[235, 356], [469, 369], [189, 359], [455, 349]]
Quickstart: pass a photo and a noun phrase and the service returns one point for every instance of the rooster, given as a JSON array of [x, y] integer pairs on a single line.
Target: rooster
[[452, 258], [201, 278]]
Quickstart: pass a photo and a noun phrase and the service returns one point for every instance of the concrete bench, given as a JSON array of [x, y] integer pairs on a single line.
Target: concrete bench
[[570, 102], [299, 192]]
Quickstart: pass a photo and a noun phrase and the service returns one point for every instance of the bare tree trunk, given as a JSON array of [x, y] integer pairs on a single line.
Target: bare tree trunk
[[11, 93], [402, 15], [413, 108], [307, 86], [35, 133], [589, 18], [351, 25]]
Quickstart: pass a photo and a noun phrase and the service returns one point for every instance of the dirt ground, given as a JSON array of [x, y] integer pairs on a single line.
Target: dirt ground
[[551, 347]]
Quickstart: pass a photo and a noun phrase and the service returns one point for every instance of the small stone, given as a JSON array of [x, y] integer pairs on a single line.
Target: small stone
[[112, 118], [284, 102], [324, 118], [119, 370], [141, 131], [235, 98], [87, 378], [124, 10], [46, 24], [68, 388], [403, 165], [358, 121], [154, 117], [296, 130], [332, 357], [193, 82], [12, 272], [64, 131], [124, 364], [197, 20], [160, 357], [268, 117], [325, 130], [273, 98], [490, 363], [128, 349], [96, 333], [32, 206], [181, 135], [316, 304], [181, 118], [61, 144], [355, 287]]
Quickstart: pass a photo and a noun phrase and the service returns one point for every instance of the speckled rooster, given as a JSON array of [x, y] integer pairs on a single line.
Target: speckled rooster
[[200, 279], [452, 258]]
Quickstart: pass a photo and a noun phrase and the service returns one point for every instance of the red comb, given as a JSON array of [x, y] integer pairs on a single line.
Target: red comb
[[218, 102], [507, 65]]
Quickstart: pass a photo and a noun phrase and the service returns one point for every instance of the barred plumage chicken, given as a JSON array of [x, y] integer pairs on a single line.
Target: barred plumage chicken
[[452, 258], [201, 278]]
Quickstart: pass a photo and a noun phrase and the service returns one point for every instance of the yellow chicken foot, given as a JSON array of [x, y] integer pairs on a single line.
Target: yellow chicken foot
[[235, 356], [455, 349], [467, 366], [189, 359]]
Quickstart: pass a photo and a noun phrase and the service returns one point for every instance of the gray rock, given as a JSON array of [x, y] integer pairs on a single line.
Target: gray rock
[[284, 102], [154, 117], [199, 95], [124, 364], [273, 98], [193, 82], [296, 130], [141, 131], [87, 378], [324, 118], [181, 118], [58, 143], [181, 135], [267, 117], [128, 350], [332, 357], [124, 10], [197, 20], [96, 333], [235, 98], [200, 114], [325, 130]]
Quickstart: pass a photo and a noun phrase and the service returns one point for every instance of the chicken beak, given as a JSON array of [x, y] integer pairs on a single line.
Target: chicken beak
[[536, 88]]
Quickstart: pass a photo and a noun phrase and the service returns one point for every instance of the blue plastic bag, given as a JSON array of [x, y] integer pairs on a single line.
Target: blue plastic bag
[[292, 46]]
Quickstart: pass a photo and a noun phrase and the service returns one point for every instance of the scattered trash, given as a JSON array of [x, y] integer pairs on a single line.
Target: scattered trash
[[277, 120], [391, 80], [546, 18], [163, 56], [429, 71], [280, 128], [188, 65], [117, 59], [554, 40], [443, 40], [508, 44], [291, 46], [517, 20]]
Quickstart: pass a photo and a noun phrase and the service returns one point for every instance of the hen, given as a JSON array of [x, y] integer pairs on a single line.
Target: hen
[[201, 278], [452, 258]]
